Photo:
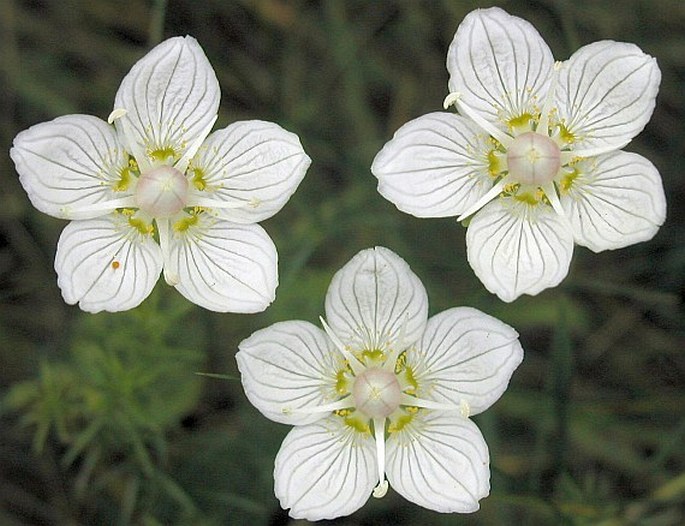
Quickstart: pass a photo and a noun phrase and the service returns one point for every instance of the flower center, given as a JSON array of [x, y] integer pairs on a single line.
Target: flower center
[[533, 158], [162, 191], [376, 392]]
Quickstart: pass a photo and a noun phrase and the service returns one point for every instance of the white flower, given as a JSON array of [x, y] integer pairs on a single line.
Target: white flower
[[383, 391], [535, 153], [156, 191]]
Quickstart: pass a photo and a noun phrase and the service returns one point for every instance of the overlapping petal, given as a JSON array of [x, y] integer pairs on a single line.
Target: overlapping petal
[[325, 470], [515, 248], [606, 94], [171, 96], [67, 164], [465, 356], [500, 65], [106, 264], [223, 266], [439, 461], [434, 166], [375, 301], [619, 201], [289, 366], [249, 170]]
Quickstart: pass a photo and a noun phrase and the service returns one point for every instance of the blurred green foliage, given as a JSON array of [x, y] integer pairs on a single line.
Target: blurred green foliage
[[104, 420], [111, 403]]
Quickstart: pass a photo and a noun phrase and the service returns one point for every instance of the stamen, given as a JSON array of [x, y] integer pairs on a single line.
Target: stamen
[[343, 403], [456, 99], [208, 202], [543, 125], [397, 346], [489, 196], [108, 206], [170, 271], [356, 366], [379, 431], [567, 157], [409, 400], [138, 153], [183, 162], [551, 193]]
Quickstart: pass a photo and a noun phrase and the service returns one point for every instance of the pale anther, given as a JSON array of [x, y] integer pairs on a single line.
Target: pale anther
[[116, 114], [380, 491], [451, 99]]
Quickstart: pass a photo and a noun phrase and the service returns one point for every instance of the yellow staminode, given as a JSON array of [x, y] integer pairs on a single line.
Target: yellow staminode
[[183, 224], [198, 179], [162, 154]]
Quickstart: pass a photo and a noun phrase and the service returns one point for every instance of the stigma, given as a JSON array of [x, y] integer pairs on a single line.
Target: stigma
[[533, 158], [376, 392], [162, 191]]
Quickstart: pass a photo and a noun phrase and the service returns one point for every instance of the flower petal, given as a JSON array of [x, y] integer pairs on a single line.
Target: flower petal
[[248, 171], [500, 65], [106, 264], [606, 94], [288, 366], [325, 470], [222, 266], [375, 300], [68, 164], [515, 248], [465, 356], [172, 98], [617, 202], [434, 166], [439, 461]]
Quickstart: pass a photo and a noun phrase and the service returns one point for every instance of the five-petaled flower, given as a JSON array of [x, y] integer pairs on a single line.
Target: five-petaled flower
[[381, 391], [535, 152], [155, 191]]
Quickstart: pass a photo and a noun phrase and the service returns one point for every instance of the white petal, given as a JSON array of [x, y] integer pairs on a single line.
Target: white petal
[[225, 267], [375, 300], [171, 96], [619, 201], [106, 264], [439, 461], [515, 248], [434, 166], [606, 94], [289, 366], [251, 168], [69, 163], [325, 470], [465, 356], [500, 64]]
